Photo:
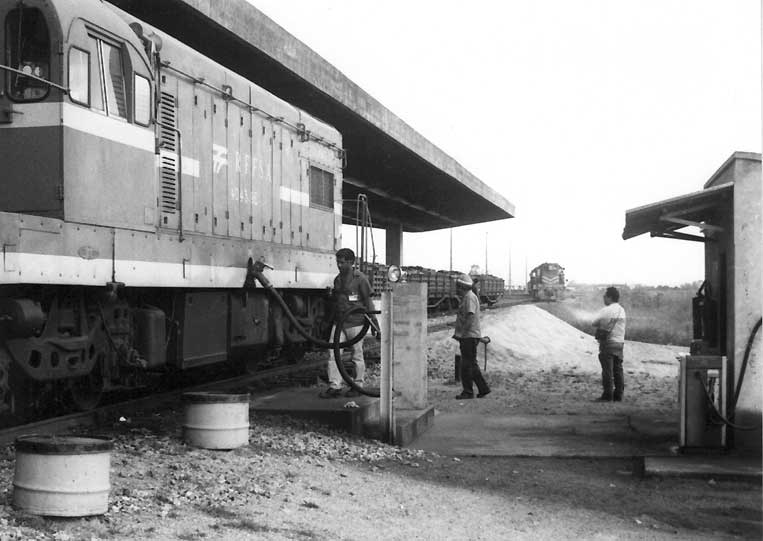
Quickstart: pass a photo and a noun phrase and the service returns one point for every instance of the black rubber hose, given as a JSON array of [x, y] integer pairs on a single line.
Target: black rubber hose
[[717, 413], [745, 359], [337, 347], [307, 336]]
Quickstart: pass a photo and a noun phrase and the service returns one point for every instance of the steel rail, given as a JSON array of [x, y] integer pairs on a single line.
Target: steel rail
[[109, 412]]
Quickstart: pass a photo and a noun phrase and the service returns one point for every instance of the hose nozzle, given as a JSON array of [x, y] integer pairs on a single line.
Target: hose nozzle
[[254, 274]]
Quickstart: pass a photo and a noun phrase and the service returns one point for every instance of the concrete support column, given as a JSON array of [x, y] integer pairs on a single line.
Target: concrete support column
[[409, 349], [394, 245]]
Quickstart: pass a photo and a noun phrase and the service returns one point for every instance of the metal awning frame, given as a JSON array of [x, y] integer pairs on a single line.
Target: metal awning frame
[[665, 218]]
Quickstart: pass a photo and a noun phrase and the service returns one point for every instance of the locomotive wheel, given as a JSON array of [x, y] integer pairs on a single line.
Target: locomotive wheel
[[86, 392], [16, 402], [294, 353], [317, 312]]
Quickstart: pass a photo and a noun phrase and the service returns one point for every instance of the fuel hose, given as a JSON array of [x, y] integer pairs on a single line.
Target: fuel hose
[[742, 370], [336, 345]]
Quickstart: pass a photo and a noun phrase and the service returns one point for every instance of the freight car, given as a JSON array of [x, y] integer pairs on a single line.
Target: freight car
[[546, 282], [441, 286], [140, 179]]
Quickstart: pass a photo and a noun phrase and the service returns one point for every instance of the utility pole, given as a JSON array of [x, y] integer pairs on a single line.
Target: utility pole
[[509, 270], [485, 252], [451, 250]]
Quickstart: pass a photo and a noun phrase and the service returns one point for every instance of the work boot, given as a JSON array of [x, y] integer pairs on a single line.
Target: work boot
[[483, 395], [617, 398], [464, 396], [604, 398], [330, 393]]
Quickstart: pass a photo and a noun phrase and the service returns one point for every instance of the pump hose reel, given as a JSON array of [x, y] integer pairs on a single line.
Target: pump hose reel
[[255, 271]]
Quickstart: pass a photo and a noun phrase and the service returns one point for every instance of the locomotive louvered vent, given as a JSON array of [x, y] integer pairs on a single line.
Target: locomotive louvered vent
[[321, 188], [168, 153]]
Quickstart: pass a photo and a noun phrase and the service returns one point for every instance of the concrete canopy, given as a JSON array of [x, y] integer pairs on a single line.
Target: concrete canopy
[[409, 182]]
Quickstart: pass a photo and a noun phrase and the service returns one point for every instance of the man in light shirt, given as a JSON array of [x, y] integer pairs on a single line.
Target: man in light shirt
[[610, 332], [468, 334]]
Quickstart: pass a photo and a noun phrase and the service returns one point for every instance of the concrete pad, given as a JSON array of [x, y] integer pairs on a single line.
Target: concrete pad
[[411, 424], [305, 403], [461, 434], [701, 466]]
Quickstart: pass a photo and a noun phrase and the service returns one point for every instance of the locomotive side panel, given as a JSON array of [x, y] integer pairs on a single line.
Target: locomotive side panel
[[233, 124], [200, 150], [322, 198]]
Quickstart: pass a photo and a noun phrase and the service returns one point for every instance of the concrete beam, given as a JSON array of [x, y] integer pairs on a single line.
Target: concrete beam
[[383, 151]]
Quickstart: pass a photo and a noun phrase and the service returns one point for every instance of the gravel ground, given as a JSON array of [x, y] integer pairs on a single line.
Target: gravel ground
[[297, 480], [300, 480]]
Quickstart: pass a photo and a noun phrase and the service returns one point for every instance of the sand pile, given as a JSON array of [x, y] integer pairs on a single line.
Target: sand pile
[[526, 337]]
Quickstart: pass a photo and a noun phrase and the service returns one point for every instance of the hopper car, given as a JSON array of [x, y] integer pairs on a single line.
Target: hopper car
[[546, 282], [441, 285], [139, 181]]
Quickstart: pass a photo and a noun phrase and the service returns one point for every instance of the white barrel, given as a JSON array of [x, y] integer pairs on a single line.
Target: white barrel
[[216, 420], [62, 476]]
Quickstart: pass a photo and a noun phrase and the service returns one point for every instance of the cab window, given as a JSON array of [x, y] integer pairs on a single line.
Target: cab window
[[114, 81], [96, 83], [79, 76], [27, 46], [142, 100]]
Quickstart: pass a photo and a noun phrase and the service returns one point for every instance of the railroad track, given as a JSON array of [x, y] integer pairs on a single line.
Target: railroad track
[[110, 412]]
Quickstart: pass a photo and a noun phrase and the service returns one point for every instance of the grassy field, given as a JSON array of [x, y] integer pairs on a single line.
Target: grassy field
[[659, 315]]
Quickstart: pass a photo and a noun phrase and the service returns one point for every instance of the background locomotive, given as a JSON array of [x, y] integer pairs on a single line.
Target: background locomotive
[[546, 282], [139, 180]]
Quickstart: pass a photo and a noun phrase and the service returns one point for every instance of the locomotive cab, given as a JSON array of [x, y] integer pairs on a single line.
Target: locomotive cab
[[75, 105], [30, 75]]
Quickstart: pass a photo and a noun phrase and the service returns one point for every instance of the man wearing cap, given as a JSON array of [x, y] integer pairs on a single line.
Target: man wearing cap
[[468, 335]]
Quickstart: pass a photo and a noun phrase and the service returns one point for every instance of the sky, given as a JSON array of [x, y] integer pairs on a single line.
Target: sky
[[573, 110]]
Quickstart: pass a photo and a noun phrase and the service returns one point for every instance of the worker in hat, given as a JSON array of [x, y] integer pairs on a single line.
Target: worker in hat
[[468, 335]]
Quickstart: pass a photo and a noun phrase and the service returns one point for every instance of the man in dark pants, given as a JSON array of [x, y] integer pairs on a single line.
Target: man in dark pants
[[468, 335], [610, 332]]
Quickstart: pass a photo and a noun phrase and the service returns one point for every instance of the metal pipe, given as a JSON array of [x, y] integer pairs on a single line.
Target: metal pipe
[[49, 83], [252, 108]]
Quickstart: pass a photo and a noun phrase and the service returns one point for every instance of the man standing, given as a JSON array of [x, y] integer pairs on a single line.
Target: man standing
[[610, 332], [468, 335], [351, 288]]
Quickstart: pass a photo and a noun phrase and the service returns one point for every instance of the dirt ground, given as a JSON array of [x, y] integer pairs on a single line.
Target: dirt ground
[[298, 480]]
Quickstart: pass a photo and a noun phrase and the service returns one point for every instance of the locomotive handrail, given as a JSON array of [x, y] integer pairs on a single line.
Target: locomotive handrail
[[49, 83], [229, 96]]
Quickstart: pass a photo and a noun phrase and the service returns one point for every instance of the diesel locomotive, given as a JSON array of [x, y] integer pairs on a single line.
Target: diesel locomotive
[[546, 282], [139, 181]]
